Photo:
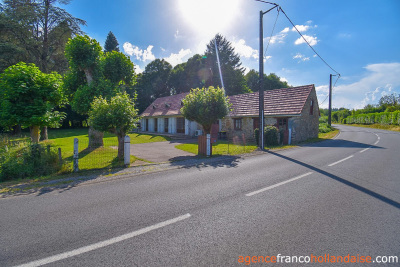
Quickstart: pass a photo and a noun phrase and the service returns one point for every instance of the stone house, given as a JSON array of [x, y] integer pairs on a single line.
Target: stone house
[[293, 110]]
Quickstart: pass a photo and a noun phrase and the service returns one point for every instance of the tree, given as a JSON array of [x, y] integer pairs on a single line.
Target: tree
[[153, 83], [117, 116], [231, 67], [271, 81], [205, 106], [111, 43], [38, 30], [390, 102], [28, 98], [106, 75]]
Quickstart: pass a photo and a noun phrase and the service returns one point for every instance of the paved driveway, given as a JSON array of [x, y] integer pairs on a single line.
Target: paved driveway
[[161, 151]]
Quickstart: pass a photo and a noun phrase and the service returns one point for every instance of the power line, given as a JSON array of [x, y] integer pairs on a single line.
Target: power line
[[333, 88], [272, 33], [308, 42]]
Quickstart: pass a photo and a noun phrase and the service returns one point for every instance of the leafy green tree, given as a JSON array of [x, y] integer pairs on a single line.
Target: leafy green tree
[[390, 103], [177, 80], [106, 75], [153, 83], [111, 43], [38, 31], [205, 106], [231, 67], [117, 116], [271, 81], [28, 98]]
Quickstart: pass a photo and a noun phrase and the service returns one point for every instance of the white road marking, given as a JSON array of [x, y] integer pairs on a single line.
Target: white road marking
[[365, 149], [102, 244], [278, 184], [330, 165]]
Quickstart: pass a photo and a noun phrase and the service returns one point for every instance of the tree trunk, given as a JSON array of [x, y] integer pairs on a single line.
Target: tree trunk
[[89, 75], [207, 129], [95, 138], [44, 135], [35, 133], [121, 146], [16, 130]]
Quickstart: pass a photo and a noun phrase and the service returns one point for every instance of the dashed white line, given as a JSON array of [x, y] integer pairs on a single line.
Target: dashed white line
[[278, 184], [102, 244], [332, 164], [365, 149]]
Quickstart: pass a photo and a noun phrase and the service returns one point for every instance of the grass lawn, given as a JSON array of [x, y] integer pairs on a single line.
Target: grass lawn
[[224, 148], [102, 157]]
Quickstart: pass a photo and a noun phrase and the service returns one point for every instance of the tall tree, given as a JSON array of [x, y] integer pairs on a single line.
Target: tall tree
[[95, 74], [231, 67], [111, 43], [40, 28], [28, 98], [271, 81], [153, 83]]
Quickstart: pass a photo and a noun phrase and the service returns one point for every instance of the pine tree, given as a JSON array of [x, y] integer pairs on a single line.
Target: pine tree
[[111, 43]]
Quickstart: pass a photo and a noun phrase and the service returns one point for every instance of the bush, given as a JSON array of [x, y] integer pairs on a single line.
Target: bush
[[323, 119], [271, 135], [257, 135], [325, 128], [30, 161]]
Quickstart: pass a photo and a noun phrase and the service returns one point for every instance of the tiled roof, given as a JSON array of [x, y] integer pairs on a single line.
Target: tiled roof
[[165, 106], [285, 101]]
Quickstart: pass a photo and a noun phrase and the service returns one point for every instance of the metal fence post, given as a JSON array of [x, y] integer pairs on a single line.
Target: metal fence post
[[208, 153], [127, 150], [76, 155]]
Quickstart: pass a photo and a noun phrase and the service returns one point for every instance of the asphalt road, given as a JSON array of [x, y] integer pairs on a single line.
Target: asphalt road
[[339, 197]]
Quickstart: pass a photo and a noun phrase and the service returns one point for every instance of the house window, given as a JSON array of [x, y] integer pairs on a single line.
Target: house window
[[311, 107], [166, 125], [282, 123], [147, 125], [237, 124], [155, 124]]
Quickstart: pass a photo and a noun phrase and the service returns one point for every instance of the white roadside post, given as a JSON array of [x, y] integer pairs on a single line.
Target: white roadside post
[[208, 145], [76, 155], [127, 151]]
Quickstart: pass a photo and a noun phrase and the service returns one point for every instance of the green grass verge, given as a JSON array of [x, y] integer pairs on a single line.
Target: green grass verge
[[395, 128], [223, 148]]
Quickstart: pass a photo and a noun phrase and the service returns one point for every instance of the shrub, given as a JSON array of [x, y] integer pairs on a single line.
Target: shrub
[[30, 161], [257, 135], [323, 119], [271, 135], [324, 128]]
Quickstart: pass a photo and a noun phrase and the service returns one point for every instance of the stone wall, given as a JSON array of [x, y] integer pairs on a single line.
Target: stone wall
[[306, 125], [247, 128]]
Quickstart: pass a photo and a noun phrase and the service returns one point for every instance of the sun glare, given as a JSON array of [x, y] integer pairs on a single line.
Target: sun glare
[[208, 17]]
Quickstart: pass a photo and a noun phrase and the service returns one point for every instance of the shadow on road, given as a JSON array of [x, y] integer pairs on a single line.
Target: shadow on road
[[201, 162], [341, 180], [340, 143]]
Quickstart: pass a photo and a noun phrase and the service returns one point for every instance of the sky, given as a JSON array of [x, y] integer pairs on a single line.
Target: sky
[[360, 40]]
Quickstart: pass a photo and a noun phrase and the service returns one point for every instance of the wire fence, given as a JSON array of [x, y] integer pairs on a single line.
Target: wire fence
[[233, 144]]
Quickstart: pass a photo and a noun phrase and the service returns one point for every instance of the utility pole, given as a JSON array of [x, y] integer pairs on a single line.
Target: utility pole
[[261, 79], [330, 101]]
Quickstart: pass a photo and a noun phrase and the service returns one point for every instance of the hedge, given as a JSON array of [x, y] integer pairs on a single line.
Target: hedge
[[388, 118]]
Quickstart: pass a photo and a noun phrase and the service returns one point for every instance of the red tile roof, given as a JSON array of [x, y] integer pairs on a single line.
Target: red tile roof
[[165, 106], [284, 101]]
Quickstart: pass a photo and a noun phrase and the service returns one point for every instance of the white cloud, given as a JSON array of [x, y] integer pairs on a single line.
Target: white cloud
[[301, 28], [301, 57], [312, 40], [142, 55], [137, 69], [176, 35], [381, 79], [279, 38], [285, 30], [244, 50], [175, 59]]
